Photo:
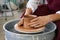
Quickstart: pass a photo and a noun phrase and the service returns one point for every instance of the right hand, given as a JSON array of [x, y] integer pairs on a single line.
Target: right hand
[[21, 22]]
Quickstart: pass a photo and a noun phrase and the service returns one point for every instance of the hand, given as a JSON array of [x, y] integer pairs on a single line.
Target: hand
[[40, 21], [22, 20]]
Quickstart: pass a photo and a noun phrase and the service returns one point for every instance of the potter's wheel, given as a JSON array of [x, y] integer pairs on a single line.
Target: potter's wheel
[[12, 34], [30, 30]]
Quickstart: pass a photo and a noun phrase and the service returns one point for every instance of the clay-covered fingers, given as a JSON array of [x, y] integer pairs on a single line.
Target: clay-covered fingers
[[34, 20], [21, 22], [35, 25]]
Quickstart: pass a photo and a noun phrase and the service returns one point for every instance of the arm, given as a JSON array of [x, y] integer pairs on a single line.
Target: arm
[[31, 6], [54, 17]]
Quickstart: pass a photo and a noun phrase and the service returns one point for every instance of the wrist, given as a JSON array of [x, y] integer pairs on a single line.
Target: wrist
[[50, 18], [54, 17]]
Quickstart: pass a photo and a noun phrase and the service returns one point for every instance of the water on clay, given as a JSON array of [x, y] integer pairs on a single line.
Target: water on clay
[[10, 27]]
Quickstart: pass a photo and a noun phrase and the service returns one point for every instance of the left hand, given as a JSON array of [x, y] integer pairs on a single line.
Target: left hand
[[39, 21]]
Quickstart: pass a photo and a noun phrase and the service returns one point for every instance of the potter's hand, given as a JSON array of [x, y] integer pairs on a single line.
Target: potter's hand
[[39, 21], [22, 19]]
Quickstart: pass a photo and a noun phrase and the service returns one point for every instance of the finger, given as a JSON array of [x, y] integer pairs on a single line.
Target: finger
[[33, 20], [34, 25], [38, 26]]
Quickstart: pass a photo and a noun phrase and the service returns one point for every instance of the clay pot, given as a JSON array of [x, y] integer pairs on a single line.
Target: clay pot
[[27, 19]]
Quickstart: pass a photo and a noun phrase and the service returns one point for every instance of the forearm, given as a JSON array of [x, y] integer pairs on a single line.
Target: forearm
[[54, 17]]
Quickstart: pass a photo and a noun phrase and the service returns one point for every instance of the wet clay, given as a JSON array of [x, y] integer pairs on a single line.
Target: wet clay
[[28, 30]]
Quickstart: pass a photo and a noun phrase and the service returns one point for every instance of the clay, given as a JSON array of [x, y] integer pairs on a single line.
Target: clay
[[27, 20], [29, 30]]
